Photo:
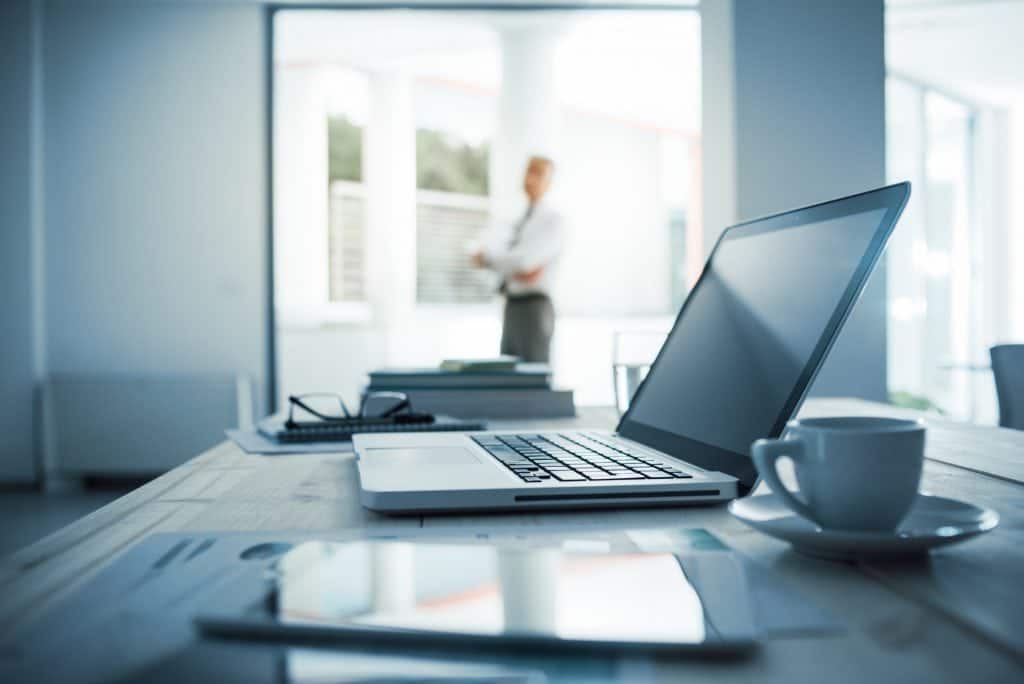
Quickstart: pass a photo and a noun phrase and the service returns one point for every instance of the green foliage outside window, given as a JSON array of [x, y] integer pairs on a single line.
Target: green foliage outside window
[[344, 150], [442, 163], [449, 165]]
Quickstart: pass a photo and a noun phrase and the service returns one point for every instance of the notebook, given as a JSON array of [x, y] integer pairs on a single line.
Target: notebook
[[274, 427]]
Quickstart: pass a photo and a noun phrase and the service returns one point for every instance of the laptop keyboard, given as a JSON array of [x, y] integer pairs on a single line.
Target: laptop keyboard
[[575, 458]]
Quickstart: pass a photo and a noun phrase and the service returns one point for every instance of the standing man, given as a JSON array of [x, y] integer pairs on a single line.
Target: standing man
[[526, 259]]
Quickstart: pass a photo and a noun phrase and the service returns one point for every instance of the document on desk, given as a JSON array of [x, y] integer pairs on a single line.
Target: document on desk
[[253, 442]]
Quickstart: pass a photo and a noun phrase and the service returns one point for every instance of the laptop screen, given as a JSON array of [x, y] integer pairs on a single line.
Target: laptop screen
[[755, 329]]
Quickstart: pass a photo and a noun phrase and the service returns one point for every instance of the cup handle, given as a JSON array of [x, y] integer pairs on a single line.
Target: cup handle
[[766, 453]]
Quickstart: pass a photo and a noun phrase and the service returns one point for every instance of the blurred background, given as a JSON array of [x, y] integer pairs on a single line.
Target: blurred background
[[400, 137], [209, 205]]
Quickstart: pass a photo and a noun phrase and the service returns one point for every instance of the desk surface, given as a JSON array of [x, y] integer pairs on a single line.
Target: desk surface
[[957, 616]]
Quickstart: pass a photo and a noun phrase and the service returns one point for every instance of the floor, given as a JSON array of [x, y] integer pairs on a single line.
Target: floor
[[28, 515]]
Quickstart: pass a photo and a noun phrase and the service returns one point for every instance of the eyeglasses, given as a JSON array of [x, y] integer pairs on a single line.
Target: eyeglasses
[[395, 404]]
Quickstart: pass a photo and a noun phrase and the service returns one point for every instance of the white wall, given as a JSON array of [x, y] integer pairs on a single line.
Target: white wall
[[156, 188], [16, 341], [795, 114], [617, 260]]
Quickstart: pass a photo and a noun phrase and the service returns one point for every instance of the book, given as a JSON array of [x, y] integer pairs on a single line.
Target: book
[[524, 375], [514, 402], [506, 363]]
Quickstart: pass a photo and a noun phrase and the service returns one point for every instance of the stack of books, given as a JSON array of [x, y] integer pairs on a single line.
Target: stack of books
[[479, 388]]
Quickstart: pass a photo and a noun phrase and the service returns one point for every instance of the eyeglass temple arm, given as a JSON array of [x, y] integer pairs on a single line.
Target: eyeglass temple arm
[[296, 401]]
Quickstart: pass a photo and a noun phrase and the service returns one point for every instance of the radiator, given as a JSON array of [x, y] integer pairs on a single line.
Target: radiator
[[137, 425]]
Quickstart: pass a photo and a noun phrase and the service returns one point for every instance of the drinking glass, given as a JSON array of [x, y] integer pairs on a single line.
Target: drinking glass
[[633, 352]]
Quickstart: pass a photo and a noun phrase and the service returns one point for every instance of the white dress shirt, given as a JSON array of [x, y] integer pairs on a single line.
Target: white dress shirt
[[540, 243]]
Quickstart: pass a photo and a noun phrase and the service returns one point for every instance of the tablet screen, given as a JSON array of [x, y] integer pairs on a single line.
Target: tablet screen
[[486, 591]]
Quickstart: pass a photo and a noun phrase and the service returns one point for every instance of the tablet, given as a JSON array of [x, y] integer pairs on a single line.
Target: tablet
[[469, 595]]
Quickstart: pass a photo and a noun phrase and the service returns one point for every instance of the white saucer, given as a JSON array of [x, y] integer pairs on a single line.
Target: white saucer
[[933, 521]]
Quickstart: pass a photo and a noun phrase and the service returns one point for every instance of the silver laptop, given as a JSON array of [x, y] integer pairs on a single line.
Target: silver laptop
[[736, 366]]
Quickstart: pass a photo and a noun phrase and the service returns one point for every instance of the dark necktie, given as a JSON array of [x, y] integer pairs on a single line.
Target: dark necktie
[[517, 230]]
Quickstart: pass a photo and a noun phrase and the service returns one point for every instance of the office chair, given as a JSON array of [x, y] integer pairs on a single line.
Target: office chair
[[1008, 370]]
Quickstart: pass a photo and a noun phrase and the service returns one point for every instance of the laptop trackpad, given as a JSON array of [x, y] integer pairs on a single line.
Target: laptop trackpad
[[425, 456]]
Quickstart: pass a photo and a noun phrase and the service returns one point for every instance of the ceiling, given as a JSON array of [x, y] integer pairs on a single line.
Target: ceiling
[[641, 67], [971, 47], [974, 48]]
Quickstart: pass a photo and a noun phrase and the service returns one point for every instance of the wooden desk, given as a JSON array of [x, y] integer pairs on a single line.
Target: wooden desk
[[956, 617]]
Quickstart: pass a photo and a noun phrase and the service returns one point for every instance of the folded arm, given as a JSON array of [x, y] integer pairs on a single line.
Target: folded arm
[[527, 259]]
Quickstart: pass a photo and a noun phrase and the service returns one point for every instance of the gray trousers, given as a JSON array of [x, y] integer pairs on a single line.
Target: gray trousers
[[527, 327]]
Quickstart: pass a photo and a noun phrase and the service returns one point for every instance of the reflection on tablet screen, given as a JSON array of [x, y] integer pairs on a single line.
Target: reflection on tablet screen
[[489, 591]]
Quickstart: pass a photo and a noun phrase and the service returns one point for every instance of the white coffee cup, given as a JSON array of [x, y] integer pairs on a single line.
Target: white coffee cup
[[853, 473]]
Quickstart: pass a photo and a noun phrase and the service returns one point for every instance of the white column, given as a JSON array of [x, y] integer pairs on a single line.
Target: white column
[[528, 113], [787, 127], [389, 173], [300, 192]]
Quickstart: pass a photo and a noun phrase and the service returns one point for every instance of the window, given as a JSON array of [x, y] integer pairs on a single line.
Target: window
[[447, 164], [446, 222], [452, 213], [346, 242], [937, 253], [400, 139], [346, 222], [955, 128]]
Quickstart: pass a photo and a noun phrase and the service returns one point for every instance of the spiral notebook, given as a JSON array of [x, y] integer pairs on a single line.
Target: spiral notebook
[[274, 427]]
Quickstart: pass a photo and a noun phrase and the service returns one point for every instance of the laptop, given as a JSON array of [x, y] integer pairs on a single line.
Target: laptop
[[736, 366]]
